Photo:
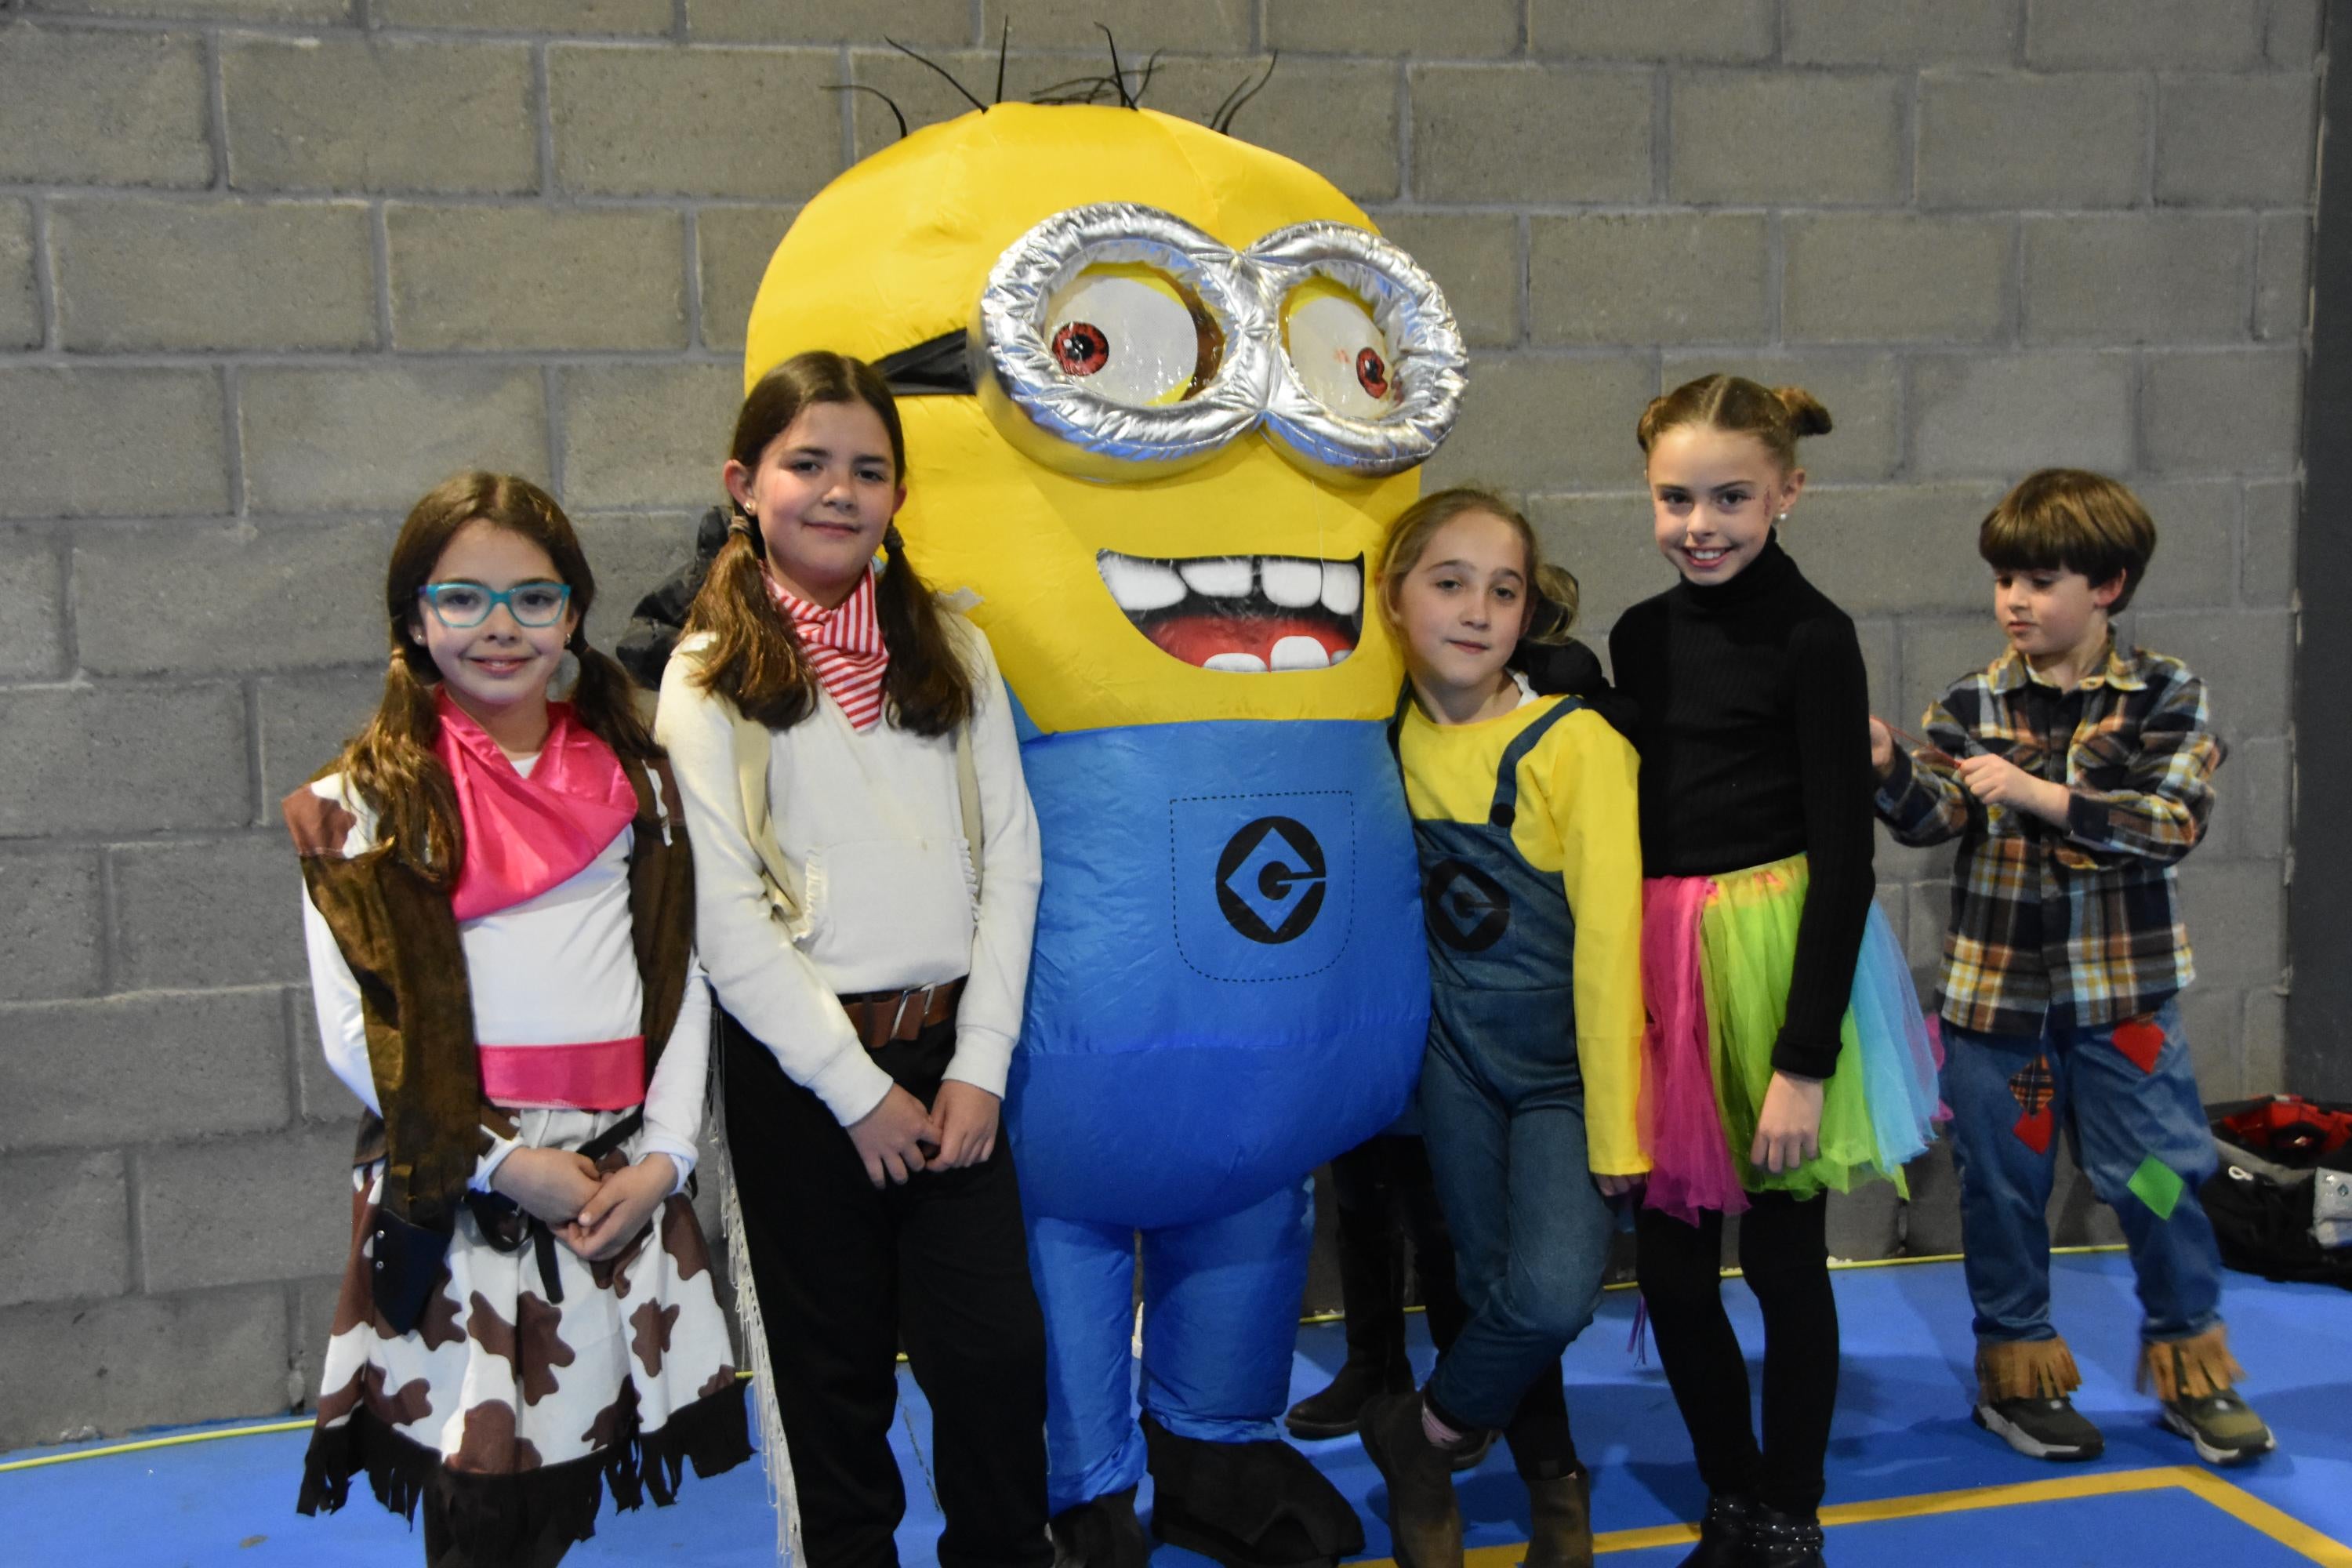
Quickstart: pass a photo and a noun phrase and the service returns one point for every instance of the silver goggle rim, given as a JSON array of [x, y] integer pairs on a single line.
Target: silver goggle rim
[[1255, 382], [1022, 287], [1424, 346]]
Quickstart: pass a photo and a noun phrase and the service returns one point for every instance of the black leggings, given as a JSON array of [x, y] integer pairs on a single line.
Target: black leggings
[[1784, 1254]]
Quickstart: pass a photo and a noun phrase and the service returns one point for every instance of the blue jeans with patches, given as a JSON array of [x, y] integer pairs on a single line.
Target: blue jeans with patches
[[2115, 1116]]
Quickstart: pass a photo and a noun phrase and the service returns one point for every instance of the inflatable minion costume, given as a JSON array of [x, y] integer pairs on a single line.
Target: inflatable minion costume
[[1163, 393]]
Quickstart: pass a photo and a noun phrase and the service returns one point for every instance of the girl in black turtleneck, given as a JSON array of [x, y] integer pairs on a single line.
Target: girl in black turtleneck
[[1786, 1053]]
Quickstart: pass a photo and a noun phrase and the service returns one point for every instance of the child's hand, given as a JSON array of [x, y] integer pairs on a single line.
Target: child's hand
[[1882, 747], [1789, 1129], [622, 1204], [1615, 1186], [890, 1138], [552, 1185], [1997, 781], [966, 1116]]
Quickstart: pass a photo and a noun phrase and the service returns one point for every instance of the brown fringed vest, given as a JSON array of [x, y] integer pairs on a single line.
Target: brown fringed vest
[[396, 932]]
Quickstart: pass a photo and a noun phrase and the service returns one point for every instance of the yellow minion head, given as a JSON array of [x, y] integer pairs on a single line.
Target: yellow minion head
[[1182, 385]]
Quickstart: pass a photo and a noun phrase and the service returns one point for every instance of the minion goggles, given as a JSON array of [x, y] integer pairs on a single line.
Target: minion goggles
[[1114, 336]]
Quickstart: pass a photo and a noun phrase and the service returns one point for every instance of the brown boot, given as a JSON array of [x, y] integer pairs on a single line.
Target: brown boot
[[1424, 1520], [1559, 1518]]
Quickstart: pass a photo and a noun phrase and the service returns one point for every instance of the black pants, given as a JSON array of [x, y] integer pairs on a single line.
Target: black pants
[[844, 1272], [1785, 1255], [1385, 1198]]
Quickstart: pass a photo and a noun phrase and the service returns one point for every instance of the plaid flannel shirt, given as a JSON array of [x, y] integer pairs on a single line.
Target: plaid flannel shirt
[[2080, 923]]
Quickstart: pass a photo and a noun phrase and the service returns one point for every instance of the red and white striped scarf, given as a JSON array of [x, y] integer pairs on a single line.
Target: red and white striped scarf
[[845, 647]]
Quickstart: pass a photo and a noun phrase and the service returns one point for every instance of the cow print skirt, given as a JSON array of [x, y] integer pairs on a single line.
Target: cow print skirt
[[507, 1412]]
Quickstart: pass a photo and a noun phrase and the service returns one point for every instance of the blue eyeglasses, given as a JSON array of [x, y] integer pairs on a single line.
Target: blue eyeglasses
[[463, 605]]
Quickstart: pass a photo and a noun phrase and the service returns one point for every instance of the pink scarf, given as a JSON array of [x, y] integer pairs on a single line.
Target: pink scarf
[[844, 648], [524, 836]]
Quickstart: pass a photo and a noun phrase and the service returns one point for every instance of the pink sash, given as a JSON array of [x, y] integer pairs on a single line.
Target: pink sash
[[525, 836], [596, 1075]]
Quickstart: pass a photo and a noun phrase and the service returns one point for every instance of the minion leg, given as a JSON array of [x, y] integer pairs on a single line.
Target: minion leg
[[1084, 1278], [1219, 1318]]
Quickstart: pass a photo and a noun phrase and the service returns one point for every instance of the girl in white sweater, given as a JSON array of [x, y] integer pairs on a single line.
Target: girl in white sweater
[[866, 870]]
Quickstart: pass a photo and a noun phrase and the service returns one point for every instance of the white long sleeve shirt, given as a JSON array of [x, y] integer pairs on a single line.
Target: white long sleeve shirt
[[872, 825], [557, 970]]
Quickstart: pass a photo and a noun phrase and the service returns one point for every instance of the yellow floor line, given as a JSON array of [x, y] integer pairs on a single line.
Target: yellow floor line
[[2283, 1528], [267, 1427], [145, 1444]]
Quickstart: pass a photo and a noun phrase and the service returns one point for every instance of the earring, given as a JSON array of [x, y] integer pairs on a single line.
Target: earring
[[1781, 518]]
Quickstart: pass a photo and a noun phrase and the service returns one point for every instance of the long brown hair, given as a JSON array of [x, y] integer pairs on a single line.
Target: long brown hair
[[754, 659], [391, 763], [1776, 415], [1553, 588]]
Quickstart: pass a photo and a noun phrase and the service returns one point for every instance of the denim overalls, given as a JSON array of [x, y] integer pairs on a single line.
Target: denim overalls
[[1502, 1104]]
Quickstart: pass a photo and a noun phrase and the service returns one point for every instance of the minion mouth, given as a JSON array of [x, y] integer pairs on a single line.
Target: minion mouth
[[1241, 613]]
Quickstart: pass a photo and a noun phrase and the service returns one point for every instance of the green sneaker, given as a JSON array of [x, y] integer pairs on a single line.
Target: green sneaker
[[2042, 1428], [2223, 1426]]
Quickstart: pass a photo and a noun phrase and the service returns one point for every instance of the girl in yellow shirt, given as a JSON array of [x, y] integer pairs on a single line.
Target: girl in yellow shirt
[[1524, 813]]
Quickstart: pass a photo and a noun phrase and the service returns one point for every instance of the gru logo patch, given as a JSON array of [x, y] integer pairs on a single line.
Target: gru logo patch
[[1270, 879], [1264, 884], [1468, 910]]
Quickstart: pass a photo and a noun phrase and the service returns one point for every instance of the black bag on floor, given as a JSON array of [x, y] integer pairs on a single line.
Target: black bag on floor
[[2275, 1154]]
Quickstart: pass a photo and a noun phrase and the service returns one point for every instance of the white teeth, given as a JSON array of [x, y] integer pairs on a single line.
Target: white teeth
[[1343, 587], [1239, 663], [1341, 654], [1299, 653], [1140, 584], [1220, 577], [1289, 582]]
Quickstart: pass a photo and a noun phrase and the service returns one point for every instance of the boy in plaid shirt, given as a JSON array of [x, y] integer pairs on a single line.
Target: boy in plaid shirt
[[2076, 774]]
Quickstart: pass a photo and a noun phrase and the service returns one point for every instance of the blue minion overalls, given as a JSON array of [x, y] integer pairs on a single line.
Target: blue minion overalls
[[1502, 1106]]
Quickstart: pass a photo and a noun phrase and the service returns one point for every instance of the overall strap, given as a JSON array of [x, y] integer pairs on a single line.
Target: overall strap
[[1506, 807], [1396, 723]]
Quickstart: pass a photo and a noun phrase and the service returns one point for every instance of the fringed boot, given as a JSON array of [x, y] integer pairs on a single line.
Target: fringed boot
[[2196, 1380], [2024, 1390]]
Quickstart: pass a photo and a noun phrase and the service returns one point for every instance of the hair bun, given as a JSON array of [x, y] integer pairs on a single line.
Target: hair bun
[[1806, 415]]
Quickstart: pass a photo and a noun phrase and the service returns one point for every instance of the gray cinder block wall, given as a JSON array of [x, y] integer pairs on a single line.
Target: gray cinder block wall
[[270, 268]]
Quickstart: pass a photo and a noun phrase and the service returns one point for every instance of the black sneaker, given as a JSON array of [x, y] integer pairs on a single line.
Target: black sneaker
[[2223, 1426], [2042, 1428]]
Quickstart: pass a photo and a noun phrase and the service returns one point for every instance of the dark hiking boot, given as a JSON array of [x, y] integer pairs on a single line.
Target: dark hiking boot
[[1559, 1520], [1333, 1412], [1424, 1519]]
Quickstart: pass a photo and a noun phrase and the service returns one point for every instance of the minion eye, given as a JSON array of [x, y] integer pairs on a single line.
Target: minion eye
[[1134, 334], [1080, 348], [1341, 356]]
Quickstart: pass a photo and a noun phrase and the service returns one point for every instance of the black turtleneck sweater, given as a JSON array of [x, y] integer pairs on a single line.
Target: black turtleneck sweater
[[1755, 742]]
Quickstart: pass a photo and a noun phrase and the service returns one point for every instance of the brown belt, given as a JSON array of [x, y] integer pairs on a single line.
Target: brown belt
[[882, 1016]]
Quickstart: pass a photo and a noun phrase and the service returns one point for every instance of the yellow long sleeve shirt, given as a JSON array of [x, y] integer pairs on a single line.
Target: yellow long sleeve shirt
[[1577, 817]]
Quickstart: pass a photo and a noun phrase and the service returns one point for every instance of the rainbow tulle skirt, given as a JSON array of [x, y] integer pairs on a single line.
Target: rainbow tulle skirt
[[1716, 955]]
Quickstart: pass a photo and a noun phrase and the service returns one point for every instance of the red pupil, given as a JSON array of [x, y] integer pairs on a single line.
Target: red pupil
[[1080, 348], [1372, 373]]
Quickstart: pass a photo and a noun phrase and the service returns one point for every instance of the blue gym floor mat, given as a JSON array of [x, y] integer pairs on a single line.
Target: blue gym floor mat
[[1912, 1480]]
